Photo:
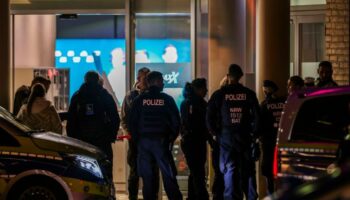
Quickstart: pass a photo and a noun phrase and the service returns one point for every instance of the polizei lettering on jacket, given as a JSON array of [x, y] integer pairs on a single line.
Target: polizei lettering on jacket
[[236, 97], [274, 106], [153, 102]]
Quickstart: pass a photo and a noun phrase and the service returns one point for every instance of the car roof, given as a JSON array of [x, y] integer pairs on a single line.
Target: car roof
[[319, 92]]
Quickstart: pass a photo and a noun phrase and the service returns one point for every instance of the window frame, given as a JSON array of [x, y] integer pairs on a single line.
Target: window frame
[[300, 15]]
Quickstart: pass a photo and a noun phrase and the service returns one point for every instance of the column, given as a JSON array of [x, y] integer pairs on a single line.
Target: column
[[5, 61], [272, 45], [227, 38], [272, 51]]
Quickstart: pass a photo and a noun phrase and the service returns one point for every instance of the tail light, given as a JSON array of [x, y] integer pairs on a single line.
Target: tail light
[[275, 162]]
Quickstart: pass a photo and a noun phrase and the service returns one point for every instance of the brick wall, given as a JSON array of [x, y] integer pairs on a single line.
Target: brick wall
[[337, 39]]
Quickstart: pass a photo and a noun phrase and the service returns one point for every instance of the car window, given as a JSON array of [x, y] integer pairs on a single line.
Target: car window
[[323, 119], [6, 139]]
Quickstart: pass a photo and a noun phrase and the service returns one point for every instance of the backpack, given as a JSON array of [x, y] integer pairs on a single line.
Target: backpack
[[93, 118]]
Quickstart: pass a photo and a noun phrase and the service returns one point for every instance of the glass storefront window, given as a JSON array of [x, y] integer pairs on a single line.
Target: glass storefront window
[[97, 43], [311, 47], [307, 2], [163, 43]]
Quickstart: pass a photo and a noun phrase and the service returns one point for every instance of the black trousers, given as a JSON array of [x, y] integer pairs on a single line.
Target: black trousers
[[267, 164], [151, 151], [218, 183], [239, 174], [133, 180], [195, 152]]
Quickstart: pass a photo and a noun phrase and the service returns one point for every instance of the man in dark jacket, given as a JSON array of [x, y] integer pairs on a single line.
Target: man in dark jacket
[[271, 110], [154, 123], [233, 117], [194, 136], [93, 115]]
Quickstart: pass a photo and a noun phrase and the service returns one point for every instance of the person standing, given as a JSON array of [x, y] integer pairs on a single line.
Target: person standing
[[295, 84], [93, 115], [140, 87], [23, 92], [194, 136], [39, 113], [325, 72], [271, 110], [154, 124], [233, 116]]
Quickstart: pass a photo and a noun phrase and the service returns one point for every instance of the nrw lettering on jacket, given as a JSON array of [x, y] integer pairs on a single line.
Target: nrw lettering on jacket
[[153, 102]]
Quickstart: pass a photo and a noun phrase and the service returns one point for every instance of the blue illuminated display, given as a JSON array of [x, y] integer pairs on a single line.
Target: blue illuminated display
[[171, 57]]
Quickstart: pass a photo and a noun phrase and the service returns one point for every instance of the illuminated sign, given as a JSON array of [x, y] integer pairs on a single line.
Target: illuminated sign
[[107, 56]]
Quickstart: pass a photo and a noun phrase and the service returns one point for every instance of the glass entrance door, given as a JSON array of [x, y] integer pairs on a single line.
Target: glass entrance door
[[163, 43]]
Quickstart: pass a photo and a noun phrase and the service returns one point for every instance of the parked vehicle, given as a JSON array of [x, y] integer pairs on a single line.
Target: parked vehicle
[[35, 164], [334, 186], [312, 125]]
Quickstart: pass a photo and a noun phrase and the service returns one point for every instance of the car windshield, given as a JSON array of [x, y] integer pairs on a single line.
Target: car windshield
[[8, 117]]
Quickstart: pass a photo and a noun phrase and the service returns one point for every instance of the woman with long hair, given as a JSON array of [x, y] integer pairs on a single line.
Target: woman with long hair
[[39, 113]]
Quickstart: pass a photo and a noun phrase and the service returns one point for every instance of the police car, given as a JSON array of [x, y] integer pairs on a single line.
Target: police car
[[312, 125], [41, 165]]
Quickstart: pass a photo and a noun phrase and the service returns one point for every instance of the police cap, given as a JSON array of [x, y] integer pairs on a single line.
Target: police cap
[[270, 84]]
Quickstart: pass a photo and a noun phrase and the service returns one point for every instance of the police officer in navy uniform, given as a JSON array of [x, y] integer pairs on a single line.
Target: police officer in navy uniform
[[233, 116], [140, 87], [194, 136], [271, 110], [154, 123]]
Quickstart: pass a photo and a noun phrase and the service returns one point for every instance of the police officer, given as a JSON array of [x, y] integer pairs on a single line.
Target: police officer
[[194, 136], [271, 110], [140, 87], [233, 116], [154, 123]]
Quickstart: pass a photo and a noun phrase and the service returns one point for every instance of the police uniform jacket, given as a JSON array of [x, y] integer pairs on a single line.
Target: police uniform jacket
[[233, 115], [271, 110], [154, 114]]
